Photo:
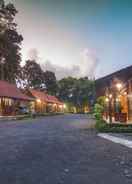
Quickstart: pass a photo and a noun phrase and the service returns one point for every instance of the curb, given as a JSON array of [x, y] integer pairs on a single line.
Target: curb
[[119, 140]]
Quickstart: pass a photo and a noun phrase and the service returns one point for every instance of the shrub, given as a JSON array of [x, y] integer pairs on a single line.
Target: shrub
[[102, 126], [98, 111]]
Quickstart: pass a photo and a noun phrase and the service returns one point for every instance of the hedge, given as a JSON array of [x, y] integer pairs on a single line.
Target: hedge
[[102, 126]]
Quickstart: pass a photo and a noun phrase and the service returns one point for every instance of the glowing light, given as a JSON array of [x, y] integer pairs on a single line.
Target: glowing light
[[117, 99], [107, 99], [54, 105], [110, 96], [60, 106], [38, 100], [64, 106], [119, 86]]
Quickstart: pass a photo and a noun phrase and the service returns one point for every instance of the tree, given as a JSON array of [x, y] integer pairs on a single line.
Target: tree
[[50, 82], [79, 92], [10, 41], [83, 93], [66, 88], [32, 75], [101, 100]]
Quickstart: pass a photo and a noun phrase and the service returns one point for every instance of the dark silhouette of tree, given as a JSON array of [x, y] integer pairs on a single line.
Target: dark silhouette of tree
[[50, 82], [32, 75], [10, 41]]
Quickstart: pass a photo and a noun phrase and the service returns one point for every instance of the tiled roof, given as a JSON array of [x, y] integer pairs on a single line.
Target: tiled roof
[[39, 94], [11, 91], [44, 97], [53, 99]]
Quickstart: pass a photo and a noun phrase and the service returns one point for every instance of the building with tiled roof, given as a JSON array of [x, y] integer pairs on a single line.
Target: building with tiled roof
[[11, 98], [44, 102]]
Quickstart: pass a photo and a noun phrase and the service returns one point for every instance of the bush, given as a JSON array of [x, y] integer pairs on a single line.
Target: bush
[[98, 111], [102, 126]]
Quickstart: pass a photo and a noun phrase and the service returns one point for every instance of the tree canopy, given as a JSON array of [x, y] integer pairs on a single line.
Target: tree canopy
[[10, 41], [50, 82], [78, 92], [32, 75]]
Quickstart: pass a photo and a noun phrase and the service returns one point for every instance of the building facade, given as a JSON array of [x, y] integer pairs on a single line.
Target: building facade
[[44, 103], [12, 100], [117, 88]]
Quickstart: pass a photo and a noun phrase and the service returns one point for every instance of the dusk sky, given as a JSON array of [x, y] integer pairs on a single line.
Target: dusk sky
[[77, 37]]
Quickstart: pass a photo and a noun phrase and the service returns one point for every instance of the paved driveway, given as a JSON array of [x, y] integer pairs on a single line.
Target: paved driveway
[[60, 149]]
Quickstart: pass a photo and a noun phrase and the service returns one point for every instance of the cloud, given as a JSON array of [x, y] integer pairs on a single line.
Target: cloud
[[89, 62], [61, 71], [86, 65], [33, 54]]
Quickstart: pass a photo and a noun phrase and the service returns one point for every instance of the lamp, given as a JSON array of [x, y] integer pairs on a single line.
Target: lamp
[[38, 100], [119, 86]]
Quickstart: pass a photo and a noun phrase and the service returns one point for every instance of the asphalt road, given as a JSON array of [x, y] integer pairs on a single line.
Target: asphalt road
[[60, 150]]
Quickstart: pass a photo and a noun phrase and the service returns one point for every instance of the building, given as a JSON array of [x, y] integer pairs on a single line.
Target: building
[[54, 105], [44, 103], [117, 88], [40, 100], [12, 100]]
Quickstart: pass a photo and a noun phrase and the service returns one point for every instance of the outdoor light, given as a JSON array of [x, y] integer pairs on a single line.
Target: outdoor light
[[60, 106], [107, 99], [38, 100], [119, 86], [117, 99], [110, 96], [64, 105]]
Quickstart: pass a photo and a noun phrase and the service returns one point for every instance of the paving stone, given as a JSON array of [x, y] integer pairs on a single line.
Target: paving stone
[[60, 150]]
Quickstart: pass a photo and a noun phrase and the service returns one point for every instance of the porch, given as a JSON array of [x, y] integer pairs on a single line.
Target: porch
[[13, 107]]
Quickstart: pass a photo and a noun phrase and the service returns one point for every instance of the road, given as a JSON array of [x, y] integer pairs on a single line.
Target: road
[[60, 150]]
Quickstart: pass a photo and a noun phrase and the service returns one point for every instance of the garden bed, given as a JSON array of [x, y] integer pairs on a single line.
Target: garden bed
[[102, 126]]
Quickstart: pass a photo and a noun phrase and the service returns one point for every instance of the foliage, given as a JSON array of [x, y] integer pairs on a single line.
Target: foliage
[[32, 75], [102, 126], [10, 41], [98, 111], [78, 92], [101, 100], [50, 82]]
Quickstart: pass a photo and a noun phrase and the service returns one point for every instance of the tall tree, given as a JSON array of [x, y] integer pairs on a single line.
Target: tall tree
[[32, 75], [78, 92], [66, 88], [10, 41], [50, 82]]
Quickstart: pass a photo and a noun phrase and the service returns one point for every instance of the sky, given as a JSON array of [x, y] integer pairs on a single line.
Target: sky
[[76, 37]]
